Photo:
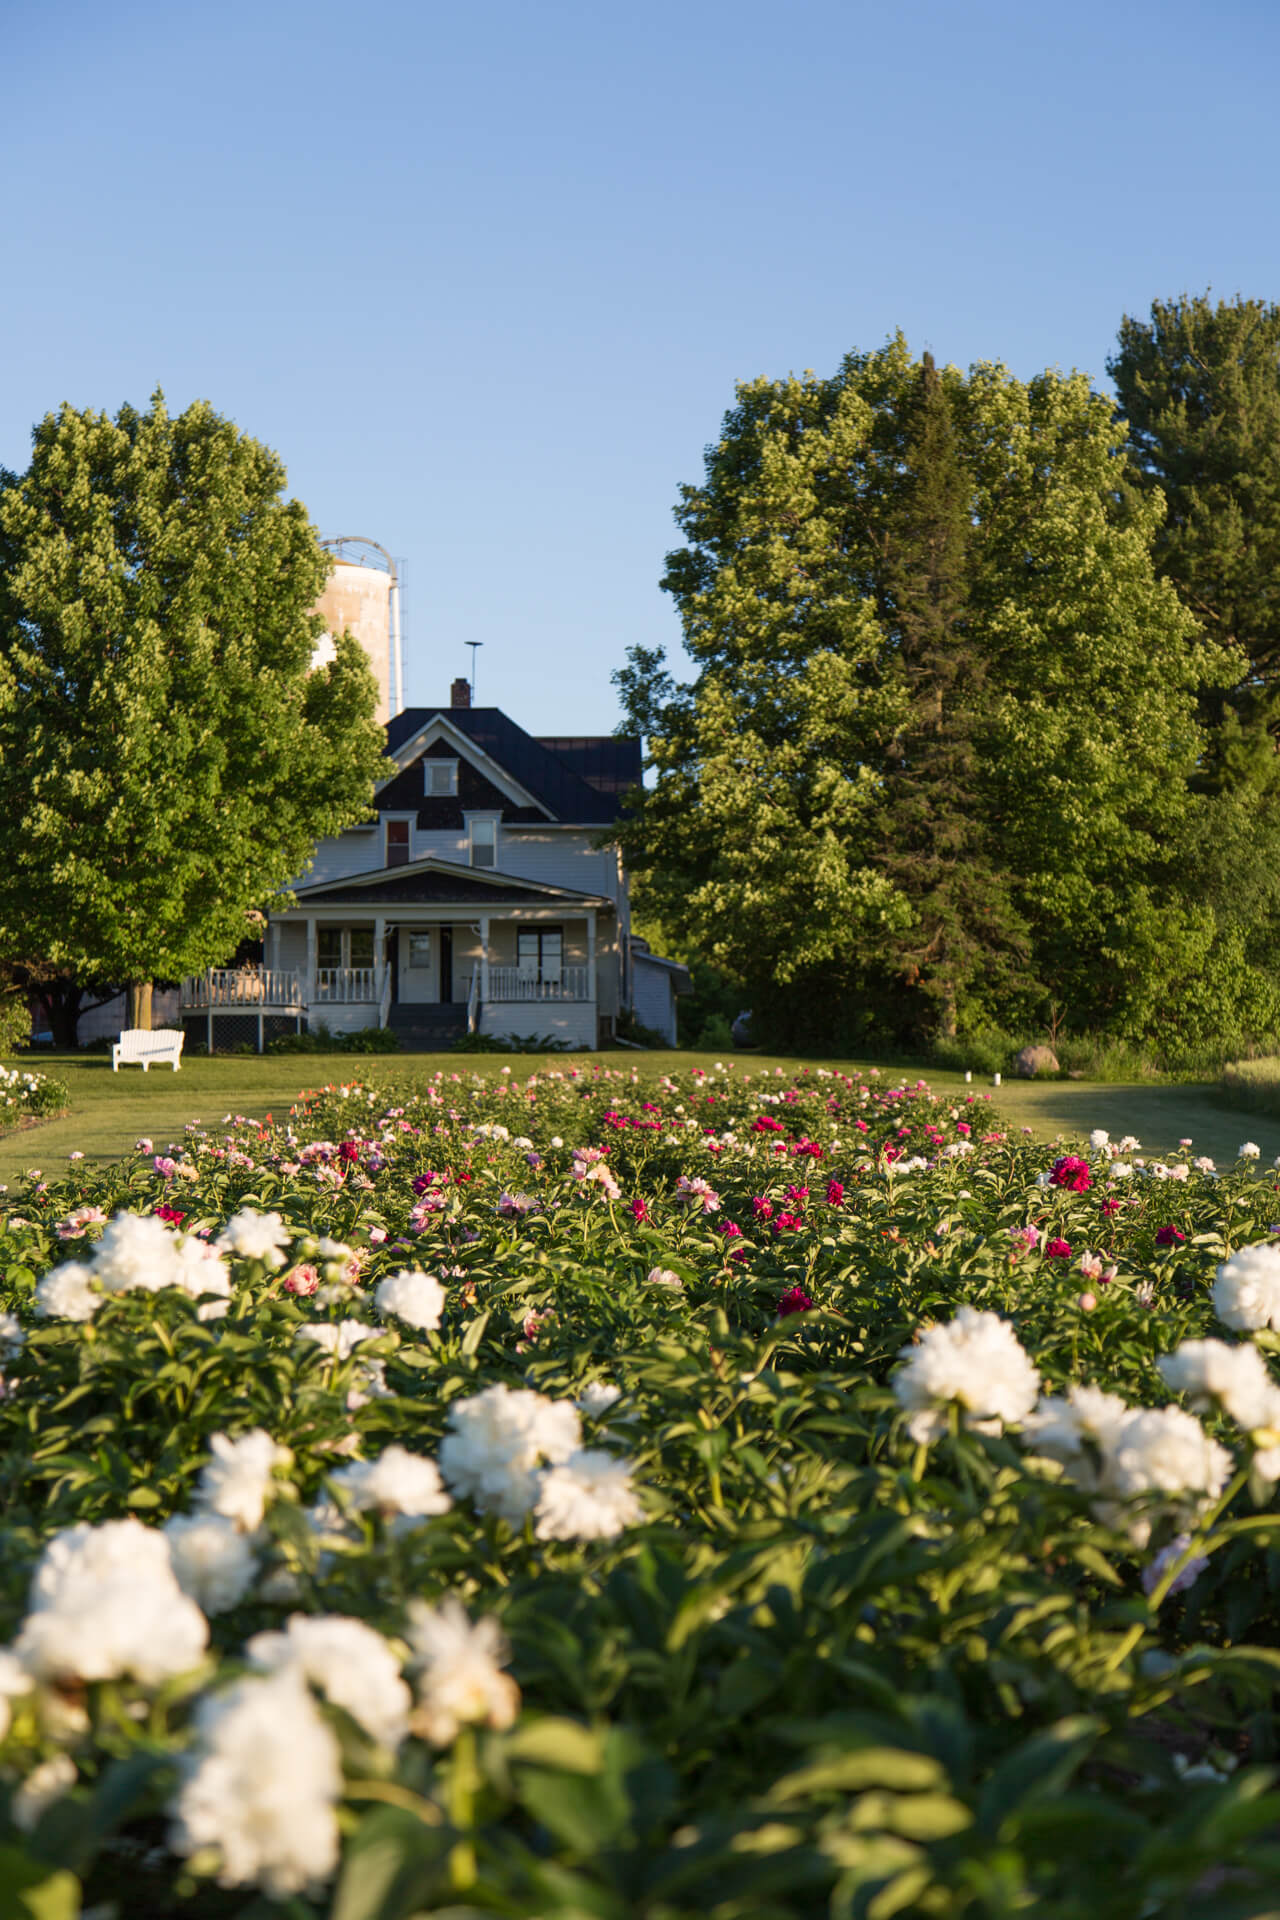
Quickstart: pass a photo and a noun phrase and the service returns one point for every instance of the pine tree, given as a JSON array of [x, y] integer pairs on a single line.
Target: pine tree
[[1199, 386], [938, 848]]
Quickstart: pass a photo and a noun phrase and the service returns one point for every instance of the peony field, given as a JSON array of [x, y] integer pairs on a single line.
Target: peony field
[[585, 1494]]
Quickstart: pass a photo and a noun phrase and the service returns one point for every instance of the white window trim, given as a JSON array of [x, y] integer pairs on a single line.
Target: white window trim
[[433, 793], [485, 817], [387, 819]]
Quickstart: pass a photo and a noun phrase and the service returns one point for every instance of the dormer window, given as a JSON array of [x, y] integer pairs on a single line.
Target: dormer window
[[397, 843], [440, 778]]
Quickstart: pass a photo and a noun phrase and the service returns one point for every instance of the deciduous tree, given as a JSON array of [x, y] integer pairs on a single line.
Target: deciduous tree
[[167, 757]]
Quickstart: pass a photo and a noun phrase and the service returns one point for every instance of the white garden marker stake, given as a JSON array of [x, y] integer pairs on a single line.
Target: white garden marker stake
[[967, 1078], [995, 1079]]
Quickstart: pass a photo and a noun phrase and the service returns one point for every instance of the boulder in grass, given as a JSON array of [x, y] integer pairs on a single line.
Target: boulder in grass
[[1034, 1060]]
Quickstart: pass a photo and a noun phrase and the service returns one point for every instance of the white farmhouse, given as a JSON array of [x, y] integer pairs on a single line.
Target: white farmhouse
[[478, 898]]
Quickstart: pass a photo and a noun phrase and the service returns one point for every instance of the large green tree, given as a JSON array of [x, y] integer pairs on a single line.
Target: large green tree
[[936, 760], [167, 756], [1198, 384]]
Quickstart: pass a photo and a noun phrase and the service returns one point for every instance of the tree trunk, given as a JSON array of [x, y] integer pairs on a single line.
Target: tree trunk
[[140, 1004]]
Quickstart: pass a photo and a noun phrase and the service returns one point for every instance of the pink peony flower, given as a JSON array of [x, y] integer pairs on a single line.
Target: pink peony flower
[[1071, 1172]]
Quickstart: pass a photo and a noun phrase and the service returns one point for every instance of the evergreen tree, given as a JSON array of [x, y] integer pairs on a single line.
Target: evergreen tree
[[167, 757], [1199, 385], [938, 847]]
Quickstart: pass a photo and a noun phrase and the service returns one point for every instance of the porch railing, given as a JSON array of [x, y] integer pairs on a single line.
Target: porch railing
[[347, 986], [512, 984], [242, 989]]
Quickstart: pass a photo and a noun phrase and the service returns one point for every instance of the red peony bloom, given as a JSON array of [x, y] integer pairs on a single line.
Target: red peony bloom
[[170, 1216], [1070, 1171], [794, 1300], [835, 1193], [763, 1208], [639, 1211], [1057, 1250], [1110, 1206], [1169, 1237]]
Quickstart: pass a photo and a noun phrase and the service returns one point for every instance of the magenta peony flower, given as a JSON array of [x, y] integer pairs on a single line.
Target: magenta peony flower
[[1072, 1172], [1169, 1237], [1057, 1250], [794, 1300]]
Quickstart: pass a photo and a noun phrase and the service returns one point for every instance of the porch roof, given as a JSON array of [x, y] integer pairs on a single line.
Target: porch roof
[[439, 883]]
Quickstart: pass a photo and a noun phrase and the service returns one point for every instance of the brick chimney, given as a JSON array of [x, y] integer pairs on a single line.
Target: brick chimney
[[460, 694]]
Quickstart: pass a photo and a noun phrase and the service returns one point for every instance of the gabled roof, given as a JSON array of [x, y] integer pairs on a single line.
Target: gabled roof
[[442, 883], [579, 786]]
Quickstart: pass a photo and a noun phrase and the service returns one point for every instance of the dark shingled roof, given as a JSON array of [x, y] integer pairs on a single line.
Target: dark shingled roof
[[579, 780]]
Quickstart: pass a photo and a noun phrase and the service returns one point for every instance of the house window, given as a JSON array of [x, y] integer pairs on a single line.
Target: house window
[[440, 776], [397, 843], [344, 946], [484, 842], [540, 953]]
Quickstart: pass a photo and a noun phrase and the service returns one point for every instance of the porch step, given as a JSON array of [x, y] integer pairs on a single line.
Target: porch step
[[427, 1028]]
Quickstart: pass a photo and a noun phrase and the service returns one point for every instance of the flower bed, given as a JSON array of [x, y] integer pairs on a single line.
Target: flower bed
[[593, 1495], [29, 1096]]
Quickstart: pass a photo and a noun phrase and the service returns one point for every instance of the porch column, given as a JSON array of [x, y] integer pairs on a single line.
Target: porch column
[[591, 955], [309, 985], [484, 959], [379, 953]]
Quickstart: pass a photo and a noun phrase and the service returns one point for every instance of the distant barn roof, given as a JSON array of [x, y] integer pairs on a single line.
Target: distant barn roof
[[579, 779]]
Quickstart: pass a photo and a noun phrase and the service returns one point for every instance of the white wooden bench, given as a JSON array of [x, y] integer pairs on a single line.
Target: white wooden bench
[[138, 1047]]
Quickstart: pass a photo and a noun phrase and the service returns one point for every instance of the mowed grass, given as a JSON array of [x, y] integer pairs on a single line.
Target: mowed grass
[[109, 1111]]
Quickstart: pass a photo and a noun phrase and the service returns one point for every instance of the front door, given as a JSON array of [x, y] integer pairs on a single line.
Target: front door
[[446, 963]]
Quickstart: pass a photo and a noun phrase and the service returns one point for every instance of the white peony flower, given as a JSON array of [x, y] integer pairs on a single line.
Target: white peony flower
[[416, 1298], [596, 1398], [396, 1483], [588, 1498], [340, 1340], [68, 1293], [1099, 1138], [974, 1360], [257, 1236], [261, 1786], [105, 1604], [12, 1338], [135, 1254], [497, 1441], [1236, 1377], [663, 1277], [349, 1663], [14, 1681], [459, 1665], [212, 1560], [199, 1269], [48, 1783], [1249, 1150], [1075, 1430], [239, 1480], [1162, 1450], [1246, 1293]]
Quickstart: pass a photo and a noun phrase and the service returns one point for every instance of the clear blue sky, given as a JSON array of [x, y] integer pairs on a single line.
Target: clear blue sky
[[485, 274]]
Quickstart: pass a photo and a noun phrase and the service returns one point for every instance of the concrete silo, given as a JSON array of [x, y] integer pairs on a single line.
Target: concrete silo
[[362, 597]]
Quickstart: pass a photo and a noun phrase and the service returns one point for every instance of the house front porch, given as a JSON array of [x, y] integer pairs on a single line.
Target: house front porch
[[430, 969]]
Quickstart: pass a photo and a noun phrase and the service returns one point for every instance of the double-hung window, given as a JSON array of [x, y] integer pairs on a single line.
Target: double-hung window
[[397, 843], [540, 954], [483, 830]]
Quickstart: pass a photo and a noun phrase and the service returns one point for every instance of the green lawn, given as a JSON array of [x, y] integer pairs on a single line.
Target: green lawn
[[109, 1111]]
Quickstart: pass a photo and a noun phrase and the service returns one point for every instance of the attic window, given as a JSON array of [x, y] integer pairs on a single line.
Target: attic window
[[440, 776]]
